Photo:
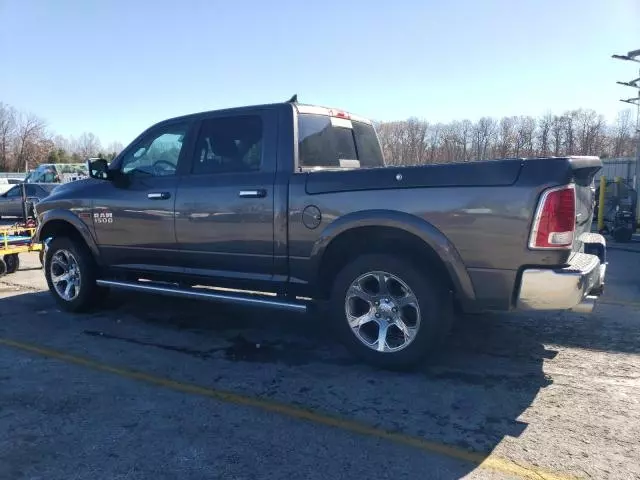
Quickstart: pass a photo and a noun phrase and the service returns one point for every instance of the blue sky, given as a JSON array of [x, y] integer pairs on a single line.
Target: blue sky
[[115, 67]]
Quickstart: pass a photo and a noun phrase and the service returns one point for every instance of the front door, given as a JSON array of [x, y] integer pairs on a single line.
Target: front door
[[225, 205], [133, 216]]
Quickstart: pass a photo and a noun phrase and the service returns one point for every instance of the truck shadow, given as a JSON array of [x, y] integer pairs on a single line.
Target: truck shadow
[[470, 397]]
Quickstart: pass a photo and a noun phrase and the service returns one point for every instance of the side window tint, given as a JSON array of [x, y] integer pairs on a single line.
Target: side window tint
[[31, 190], [14, 192], [229, 144], [157, 153], [322, 144]]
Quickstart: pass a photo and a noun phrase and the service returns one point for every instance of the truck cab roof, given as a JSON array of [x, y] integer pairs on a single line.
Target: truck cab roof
[[299, 107]]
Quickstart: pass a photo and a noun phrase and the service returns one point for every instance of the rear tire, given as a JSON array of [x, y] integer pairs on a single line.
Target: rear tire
[[3, 267], [71, 274], [414, 311]]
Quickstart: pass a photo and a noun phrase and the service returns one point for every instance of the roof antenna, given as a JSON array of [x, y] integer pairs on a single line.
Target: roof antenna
[[293, 99]]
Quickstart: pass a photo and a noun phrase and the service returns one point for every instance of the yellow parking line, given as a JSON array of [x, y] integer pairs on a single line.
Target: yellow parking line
[[492, 463]]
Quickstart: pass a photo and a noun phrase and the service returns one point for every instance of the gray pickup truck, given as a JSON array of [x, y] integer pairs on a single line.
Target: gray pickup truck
[[288, 206]]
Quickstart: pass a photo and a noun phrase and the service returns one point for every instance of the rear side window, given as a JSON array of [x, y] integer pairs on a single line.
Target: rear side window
[[14, 192], [228, 145], [335, 143]]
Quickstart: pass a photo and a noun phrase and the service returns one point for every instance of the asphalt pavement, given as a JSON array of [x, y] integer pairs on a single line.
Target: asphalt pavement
[[150, 387]]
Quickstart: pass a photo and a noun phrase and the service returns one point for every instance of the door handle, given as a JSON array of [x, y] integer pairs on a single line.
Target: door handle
[[260, 193], [158, 195]]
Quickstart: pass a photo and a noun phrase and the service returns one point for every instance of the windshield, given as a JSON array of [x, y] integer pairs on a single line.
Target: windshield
[[330, 142]]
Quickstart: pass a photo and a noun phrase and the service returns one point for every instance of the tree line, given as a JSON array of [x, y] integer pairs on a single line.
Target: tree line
[[577, 132], [26, 142]]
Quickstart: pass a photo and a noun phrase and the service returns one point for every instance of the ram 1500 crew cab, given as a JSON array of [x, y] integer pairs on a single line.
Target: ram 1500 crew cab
[[295, 201]]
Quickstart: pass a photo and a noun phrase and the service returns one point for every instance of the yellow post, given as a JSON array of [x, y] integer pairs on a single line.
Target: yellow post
[[603, 188]]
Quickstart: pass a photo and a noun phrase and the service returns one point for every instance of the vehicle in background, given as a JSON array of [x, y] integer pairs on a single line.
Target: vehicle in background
[[58, 173], [12, 203], [618, 211], [6, 183], [294, 200]]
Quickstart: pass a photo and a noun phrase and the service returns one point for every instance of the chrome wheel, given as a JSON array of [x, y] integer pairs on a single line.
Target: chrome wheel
[[65, 275], [382, 311]]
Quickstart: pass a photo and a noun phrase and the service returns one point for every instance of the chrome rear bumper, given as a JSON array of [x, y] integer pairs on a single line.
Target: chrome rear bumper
[[576, 286]]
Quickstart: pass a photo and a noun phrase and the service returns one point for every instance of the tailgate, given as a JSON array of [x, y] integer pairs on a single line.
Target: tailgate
[[584, 170]]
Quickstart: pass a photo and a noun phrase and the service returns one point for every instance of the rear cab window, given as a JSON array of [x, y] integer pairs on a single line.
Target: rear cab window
[[326, 141]]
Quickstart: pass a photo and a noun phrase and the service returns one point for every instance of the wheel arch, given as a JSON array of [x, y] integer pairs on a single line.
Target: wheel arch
[[376, 230], [56, 223]]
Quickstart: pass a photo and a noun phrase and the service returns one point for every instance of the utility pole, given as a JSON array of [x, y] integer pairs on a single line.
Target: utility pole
[[634, 56]]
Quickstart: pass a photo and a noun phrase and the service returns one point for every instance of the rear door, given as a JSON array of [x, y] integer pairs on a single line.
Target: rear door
[[225, 205]]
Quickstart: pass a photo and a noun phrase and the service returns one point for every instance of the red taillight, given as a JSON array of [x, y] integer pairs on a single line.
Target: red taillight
[[555, 220]]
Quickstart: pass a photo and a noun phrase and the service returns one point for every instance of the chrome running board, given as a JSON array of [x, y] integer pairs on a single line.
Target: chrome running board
[[249, 299]]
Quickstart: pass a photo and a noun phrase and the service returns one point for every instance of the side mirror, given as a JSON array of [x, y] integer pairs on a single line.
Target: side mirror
[[98, 168]]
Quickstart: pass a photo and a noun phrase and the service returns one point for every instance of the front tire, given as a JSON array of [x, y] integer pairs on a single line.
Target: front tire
[[71, 274], [388, 312]]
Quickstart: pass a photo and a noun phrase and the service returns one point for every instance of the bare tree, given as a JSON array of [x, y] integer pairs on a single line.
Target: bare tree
[[87, 145], [622, 134], [483, 135], [557, 135], [415, 132], [115, 147], [525, 131], [506, 137], [451, 151], [391, 141], [465, 139], [434, 138], [62, 143], [544, 134], [569, 132], [30, 141], [7, 132], [589, 132]]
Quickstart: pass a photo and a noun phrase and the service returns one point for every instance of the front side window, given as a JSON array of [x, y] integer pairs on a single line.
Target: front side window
[[157, 153], [229, 144]]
